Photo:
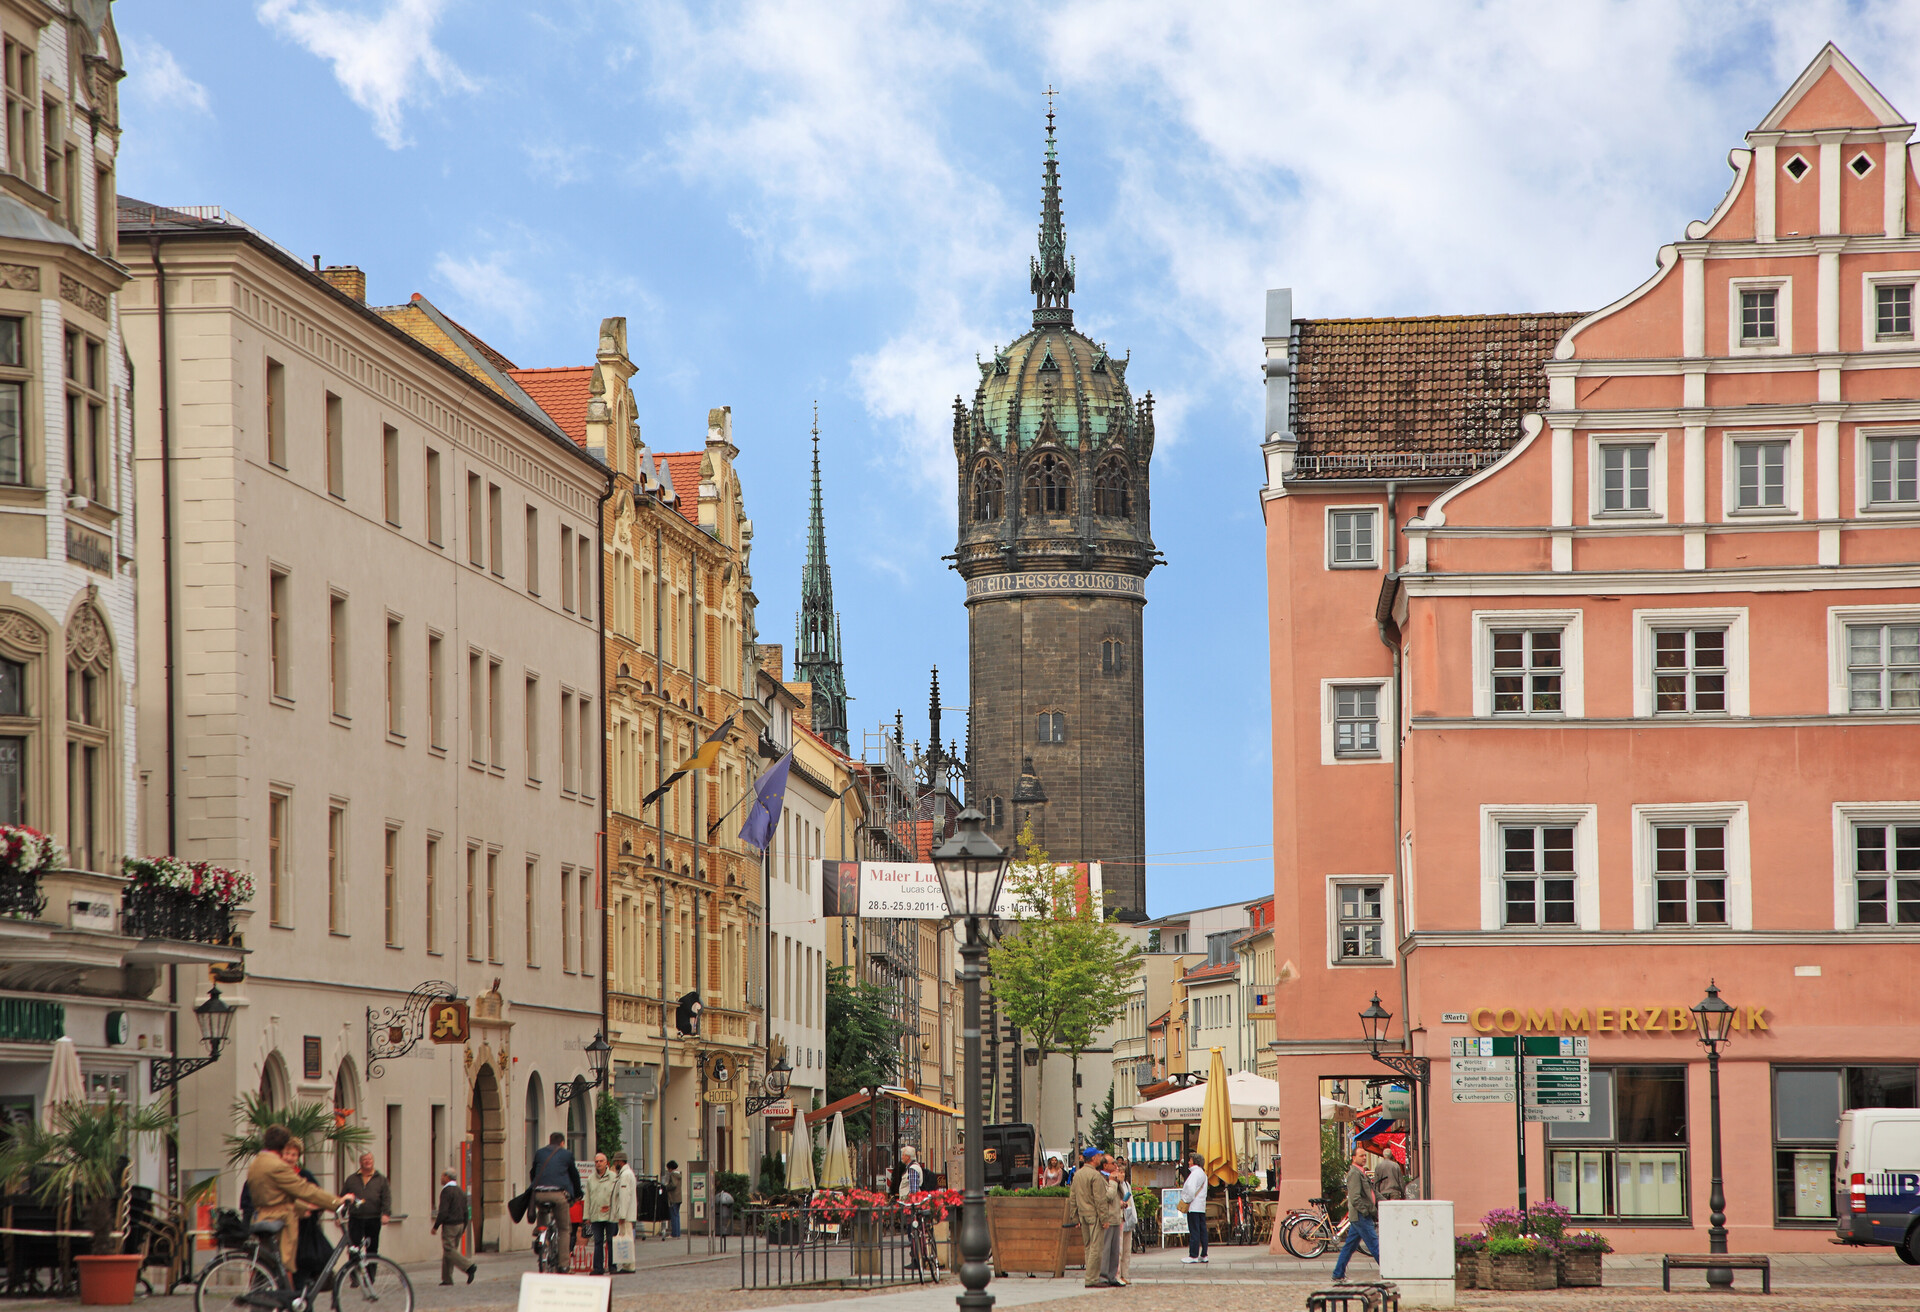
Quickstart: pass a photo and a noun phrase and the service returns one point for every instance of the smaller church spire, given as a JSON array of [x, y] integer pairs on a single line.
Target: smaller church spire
[[1052, 270], [816, 657]]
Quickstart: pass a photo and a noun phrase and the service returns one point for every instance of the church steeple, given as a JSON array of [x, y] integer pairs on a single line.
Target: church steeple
[[816, 658], [1052, 270]]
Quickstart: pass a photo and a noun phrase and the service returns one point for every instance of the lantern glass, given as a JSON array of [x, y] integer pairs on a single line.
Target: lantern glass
[[779, 1076], [1373, 1022], [215, 1018], [598, 1053], [1714, 1017], [971, 867]]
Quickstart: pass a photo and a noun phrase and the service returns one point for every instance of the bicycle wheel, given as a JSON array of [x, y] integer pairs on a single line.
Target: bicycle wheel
[[228, 1280], [373, 1282], [1306, 1237]]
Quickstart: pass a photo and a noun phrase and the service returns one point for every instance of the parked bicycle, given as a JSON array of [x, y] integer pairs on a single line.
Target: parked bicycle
[[249, 1278], [1308, 1235]]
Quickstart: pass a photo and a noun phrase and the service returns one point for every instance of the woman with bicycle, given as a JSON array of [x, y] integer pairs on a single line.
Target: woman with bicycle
[[279, 1192]]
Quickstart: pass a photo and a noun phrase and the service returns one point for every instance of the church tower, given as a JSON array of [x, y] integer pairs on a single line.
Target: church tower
[[816, 651], [1055, 546]]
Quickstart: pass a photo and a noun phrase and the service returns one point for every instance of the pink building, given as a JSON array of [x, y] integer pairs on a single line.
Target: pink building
[[1596, 676]]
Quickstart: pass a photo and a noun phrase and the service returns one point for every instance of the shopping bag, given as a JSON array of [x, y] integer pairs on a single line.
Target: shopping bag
[[623, 1248]]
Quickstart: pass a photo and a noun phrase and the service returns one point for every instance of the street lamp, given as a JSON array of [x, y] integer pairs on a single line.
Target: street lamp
[[215, 1018], [1373, 1027], [598, 1053], [1715, 1021], [971, 868]]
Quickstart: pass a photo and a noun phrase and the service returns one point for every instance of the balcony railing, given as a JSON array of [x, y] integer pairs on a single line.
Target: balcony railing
[[169, 913], [20, 896]]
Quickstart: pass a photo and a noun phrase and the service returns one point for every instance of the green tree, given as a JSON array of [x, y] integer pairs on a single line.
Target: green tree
[[1100, 1133], [1062, 972], [863, 1038], [609, 1134]]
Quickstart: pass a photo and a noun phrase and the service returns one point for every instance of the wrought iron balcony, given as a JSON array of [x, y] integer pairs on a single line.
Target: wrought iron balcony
[[169, 913], [20, 895]]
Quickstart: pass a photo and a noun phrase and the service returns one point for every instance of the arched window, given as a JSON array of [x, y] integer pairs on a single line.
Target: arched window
[[1050, 727], [346, 1108], [1049, 483], [996, 808], [89, 720], [989, 491], [22, 645], [536, 1104], [1111, 493], [577, 1108], [273, 1081], [1113, 656]]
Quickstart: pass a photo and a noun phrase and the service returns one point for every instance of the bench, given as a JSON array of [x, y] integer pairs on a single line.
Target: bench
[[1672, 1262], [1373, 1296]]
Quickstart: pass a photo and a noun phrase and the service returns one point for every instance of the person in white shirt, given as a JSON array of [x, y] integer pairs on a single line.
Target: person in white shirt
[[1194, 1194]]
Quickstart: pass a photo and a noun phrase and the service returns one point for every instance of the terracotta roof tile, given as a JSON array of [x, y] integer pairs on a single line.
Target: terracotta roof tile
[[1202, 974], [1438, 396], [562, 393], [683, 467]]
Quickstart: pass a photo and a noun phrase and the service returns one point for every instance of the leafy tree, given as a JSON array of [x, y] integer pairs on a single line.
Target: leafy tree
[[1100, 1133], [609, 1135], [1061, 973], [1334, 1156], [863, 1038]]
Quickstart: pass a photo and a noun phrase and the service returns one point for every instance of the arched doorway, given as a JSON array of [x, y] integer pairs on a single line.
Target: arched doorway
[[536, 1134], [273, 1080], [486, 1169], [346, 1107]]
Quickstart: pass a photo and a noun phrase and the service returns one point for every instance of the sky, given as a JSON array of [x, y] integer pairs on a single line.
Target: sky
[[835, 202]]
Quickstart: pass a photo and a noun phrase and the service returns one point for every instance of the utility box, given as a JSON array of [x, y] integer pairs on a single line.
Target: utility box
[[1416, 1250]]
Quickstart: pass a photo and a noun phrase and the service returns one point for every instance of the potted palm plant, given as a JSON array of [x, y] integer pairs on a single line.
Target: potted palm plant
[[314, 1124], [74, 1166]]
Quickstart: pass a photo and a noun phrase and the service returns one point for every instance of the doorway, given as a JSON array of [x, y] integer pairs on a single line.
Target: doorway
[[486, 1175]]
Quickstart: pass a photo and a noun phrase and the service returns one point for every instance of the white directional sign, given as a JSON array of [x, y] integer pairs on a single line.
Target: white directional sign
[[1482, 1079]]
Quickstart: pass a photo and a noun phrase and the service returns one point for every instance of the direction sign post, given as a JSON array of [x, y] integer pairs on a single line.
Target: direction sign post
[[1545, 1077]]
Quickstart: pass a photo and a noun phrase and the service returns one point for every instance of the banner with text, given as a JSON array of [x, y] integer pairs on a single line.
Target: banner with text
[[900, 890]]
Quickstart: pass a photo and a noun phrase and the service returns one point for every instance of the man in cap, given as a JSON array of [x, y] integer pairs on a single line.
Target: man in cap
[[1094, 1205]]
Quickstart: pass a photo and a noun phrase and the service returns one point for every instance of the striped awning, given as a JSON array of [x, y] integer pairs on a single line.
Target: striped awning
[[1152, 1152]]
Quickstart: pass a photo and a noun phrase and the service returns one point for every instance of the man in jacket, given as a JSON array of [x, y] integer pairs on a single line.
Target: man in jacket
[[278, 1191], [673, 1200], [599, 1188], [450, 1222], [556, 1180], [626, 1199], [372, 1205], [1096, 1209], [1362, 1207], [1389, 1180]]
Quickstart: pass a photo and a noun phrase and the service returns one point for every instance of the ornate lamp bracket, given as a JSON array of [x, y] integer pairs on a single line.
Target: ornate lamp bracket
[[393, 1031]]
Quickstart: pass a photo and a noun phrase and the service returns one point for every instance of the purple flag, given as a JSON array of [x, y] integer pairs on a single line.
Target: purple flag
[[769, 794]]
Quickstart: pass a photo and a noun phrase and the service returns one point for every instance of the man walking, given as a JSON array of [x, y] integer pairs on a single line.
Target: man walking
[[450, 1223], [1389, 1180], [556, 1180], [672, 1180], [372, 1205], [1094, 1206], [599, 1213], [626, 1205], [1362, 1207]]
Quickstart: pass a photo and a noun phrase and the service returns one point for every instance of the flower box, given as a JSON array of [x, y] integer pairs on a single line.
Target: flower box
[[1518, 1271], [1580, 1270], [1031, 1235]]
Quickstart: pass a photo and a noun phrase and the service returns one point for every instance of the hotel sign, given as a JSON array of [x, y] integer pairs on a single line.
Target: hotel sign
[[1669, 1020], [1055, 583]]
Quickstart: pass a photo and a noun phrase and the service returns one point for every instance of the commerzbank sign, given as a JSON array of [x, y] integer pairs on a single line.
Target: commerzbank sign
[[1595, 1020]]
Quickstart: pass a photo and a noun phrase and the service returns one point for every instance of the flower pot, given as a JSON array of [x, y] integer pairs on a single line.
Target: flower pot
[[1580, 1270], [109, 1281], [1518, 1271], [1030, 1235]]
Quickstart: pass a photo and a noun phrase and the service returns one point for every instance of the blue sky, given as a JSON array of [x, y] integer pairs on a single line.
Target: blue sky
[[835, 201]]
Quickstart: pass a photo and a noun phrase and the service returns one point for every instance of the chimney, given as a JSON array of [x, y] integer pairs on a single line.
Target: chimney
[[773, 659], [347, 278]]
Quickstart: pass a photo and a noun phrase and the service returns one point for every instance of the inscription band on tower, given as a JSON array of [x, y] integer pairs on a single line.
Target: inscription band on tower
[[1055, 583]]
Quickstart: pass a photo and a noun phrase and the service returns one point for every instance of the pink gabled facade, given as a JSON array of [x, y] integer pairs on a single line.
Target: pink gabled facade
[[1596, 676]]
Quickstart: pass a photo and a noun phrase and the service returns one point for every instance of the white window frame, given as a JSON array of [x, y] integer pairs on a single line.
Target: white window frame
[[1869, 308], [1389, 930], [1389, 733], [1845, 816], [1586, 861], [1838, 618], [1379, 513], [1646, 622], [1796, 474], [1782, 315], [1656, 510], [1573, 695], [1733, 817], [1863, 468]]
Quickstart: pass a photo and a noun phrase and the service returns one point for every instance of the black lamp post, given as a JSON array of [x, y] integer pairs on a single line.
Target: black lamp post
[[1715, 1021], [599, 1052], [1418, 1070], [971, 867], [215, 1017]]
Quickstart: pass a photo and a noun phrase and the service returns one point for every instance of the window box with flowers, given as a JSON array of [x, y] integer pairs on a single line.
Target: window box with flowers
[[190, 901], [25, 854]]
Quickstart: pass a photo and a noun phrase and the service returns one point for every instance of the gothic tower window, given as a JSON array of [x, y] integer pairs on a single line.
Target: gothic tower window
[[1111, 495], [996, 808], [1049, 480], [989, 490], [1113, 656], [89, 717], [1050, 727]]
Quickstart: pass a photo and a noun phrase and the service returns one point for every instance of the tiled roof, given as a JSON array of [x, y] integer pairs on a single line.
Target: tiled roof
[[1204, 974], [562, 393], [683, 467], [1420, 397]]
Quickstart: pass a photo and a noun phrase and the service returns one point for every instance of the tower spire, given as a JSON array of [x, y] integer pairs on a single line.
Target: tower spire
[[1052, 270], [816, 657]]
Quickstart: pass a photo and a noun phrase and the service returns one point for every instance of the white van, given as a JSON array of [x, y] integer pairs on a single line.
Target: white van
[[1880, 1165]]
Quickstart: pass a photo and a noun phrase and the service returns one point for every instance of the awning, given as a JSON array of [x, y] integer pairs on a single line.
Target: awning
[[915, 1100], [860, 1100], [1152, 1152]]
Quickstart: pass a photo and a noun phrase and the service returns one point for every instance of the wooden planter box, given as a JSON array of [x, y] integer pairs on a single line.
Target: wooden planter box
[[1580, 1270], [1030, 1235], [1517, 1271]]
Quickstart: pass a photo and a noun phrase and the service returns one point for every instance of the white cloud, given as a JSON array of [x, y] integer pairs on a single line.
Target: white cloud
[[155, 78], [485, 284], [383, 62]]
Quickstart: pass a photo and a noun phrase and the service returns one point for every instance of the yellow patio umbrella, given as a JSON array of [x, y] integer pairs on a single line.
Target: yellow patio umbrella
[[1215, 1144]]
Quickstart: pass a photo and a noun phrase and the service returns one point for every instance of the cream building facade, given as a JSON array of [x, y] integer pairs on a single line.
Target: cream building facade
[[379, 601]]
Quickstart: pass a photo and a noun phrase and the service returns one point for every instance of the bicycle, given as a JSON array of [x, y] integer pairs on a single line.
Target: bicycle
[[1308, 1235], [249, 1279], [546, 1241]]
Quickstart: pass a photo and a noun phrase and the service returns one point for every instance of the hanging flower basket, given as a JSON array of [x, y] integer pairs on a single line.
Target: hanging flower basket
[[24, 855], [198, 879], [189, 901]]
